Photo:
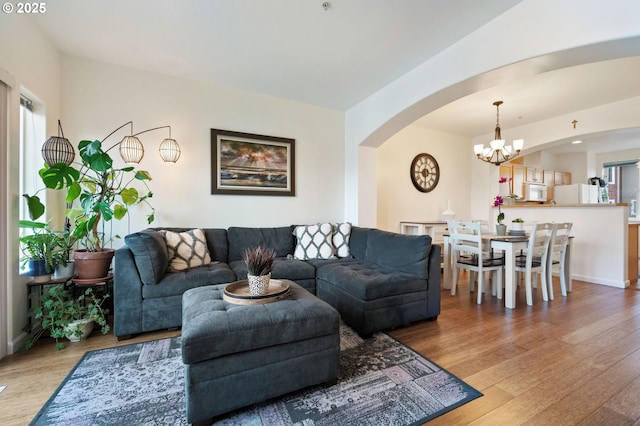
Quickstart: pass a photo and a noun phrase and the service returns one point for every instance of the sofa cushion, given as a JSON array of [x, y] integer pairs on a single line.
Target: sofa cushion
[[358, 242], [283, 268], [216, 241], [150, 254], [406, 253], [280, 239], [187, 249], [367, 281], [314, 242], [176, 283], [341, 237]]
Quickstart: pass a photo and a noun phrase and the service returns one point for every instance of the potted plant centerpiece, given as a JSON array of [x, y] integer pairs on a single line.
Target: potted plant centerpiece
[[102, 192], [259, 261], [517, 223], [501, 228], [63, 314]]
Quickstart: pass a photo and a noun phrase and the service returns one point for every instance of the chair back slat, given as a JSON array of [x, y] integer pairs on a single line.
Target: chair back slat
[[539, 240], [465, 236], [560, 238]]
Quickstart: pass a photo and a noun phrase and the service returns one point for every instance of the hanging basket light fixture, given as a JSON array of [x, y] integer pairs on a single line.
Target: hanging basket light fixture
[[58, 149]]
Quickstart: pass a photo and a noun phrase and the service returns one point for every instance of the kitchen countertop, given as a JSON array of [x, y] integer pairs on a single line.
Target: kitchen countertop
[[534, 204]]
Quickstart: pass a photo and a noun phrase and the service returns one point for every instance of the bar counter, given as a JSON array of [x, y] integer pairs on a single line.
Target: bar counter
[[601, 237]]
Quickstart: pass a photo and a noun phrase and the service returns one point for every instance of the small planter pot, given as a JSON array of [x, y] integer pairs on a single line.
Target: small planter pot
[[84, 325], [38, 270], [65, 271], [259, 285], [501, 229], [516, 226]]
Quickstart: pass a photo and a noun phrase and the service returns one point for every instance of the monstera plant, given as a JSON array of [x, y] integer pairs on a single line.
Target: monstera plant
[[96, 191]]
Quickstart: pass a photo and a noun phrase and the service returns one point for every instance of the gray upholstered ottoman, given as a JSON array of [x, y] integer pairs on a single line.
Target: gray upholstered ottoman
[[238, 355]]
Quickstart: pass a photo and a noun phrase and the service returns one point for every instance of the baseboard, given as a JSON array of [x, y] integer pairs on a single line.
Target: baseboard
[[609, 283], [16, 344]]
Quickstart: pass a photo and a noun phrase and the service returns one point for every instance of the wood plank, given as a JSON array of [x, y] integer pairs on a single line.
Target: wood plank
[[574, 360]]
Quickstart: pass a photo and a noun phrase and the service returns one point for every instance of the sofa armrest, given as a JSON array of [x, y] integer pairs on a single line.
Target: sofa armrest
[[127, 294], [434, 281]]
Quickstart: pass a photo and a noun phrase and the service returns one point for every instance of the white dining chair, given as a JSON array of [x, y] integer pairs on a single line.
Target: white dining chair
[[465, 240], [533, 262], [558, 256], [488, 252]]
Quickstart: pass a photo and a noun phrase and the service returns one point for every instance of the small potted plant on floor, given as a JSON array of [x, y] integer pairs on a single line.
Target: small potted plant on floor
[[259, 262], [65, 314]]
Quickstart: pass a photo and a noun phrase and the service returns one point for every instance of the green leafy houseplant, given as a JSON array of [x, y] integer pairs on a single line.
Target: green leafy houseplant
[[59, 307], [259, 260], [103, 192], [41, 243], [518, 220]]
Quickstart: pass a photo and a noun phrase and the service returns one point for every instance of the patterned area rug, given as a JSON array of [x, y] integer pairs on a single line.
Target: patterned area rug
[[382, 382]]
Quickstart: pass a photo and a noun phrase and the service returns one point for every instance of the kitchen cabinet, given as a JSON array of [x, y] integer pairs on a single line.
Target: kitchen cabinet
[[549, 180], [521, 174], [518, 176], [534, 175], [505, 171], [562, 178], [633, 253]]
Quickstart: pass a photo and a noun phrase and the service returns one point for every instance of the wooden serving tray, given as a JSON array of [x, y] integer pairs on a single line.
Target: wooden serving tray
[[238, 292]]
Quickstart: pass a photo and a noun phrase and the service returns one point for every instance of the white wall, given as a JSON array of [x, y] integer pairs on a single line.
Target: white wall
[[600, 243], [34, 65], [398, 200], [100, 97], [576, 32]]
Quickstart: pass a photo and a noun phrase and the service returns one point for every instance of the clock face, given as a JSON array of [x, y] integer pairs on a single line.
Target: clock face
[[425, 172]]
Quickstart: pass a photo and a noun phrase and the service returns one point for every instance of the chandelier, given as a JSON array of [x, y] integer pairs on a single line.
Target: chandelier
[[497, 153]]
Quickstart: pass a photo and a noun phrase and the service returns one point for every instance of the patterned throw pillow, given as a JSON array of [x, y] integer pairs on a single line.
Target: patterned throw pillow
[[314, 242], [341, 235], [187, 249]]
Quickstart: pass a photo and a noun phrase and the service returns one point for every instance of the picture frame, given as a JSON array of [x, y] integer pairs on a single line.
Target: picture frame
[[250, 164]]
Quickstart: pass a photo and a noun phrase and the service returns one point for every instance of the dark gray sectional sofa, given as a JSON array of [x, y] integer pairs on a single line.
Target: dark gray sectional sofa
[[389, 279]]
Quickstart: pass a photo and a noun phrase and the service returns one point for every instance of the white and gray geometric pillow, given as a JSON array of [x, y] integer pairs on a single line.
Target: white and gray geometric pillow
[[187, 249], [341, 235], [314, 242]]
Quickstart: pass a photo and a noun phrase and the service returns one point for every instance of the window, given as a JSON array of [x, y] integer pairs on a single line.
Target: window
[[31, 133], [623, 182]]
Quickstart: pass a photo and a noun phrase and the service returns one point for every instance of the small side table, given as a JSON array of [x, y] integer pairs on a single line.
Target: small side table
[[77, 283], [39, 286], [105, 283]]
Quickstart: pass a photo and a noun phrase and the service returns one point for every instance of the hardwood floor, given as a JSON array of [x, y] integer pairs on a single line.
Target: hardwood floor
[[572, 361]]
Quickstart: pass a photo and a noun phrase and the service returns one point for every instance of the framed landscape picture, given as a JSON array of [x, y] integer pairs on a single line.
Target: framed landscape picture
[[248, 164]]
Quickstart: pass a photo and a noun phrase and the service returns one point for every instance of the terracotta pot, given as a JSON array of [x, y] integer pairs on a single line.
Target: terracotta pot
[[93, 264]]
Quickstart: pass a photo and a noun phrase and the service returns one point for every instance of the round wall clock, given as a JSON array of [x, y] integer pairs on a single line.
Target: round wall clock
[[425, 172]]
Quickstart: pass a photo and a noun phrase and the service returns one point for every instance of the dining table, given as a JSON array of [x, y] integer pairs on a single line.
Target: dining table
[[511, 246]]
